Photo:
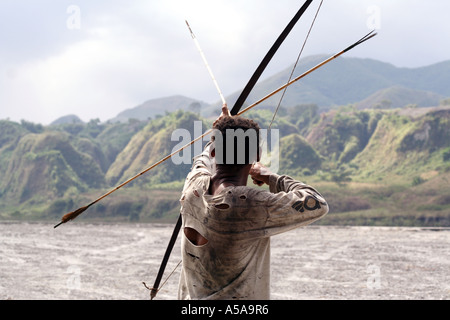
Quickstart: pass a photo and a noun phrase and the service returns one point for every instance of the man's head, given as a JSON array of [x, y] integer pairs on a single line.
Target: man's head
[[236, 142]]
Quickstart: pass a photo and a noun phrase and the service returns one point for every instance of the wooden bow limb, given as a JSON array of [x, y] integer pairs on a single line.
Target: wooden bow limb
[[262, 66]]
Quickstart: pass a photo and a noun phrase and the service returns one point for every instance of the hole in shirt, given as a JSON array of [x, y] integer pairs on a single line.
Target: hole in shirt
[[195, 237], [243, 197], [222, 206], [196, 193], [193, 256]]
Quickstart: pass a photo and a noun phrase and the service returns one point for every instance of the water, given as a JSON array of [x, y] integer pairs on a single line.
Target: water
[[110, 261]]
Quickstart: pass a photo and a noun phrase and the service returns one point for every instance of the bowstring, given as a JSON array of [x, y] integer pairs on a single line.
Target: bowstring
[[295, 65], [292, 73], [164, 282], [273, 117]]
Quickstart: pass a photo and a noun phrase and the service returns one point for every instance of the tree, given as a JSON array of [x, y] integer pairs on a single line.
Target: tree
[[195, 107], [445, 102], [341, 175], [32, 127], [384, 104], [94, 128]]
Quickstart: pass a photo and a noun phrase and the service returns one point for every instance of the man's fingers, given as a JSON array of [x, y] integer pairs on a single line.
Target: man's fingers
[[257, 182], [259, 173], [225, 110]]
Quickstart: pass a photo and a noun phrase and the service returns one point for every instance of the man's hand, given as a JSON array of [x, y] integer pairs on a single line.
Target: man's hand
[[260, 174], [225, 113]]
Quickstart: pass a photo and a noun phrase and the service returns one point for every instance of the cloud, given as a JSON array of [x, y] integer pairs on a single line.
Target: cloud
[[124, 53]]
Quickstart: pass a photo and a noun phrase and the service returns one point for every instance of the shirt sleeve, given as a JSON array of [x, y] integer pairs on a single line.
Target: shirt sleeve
[[248, 213], [201, 165], [291, 204]]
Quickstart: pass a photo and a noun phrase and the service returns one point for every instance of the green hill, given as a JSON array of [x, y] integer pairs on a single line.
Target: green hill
[[379, 167], [407, 146], [150, 145], [66, 119], [47, 165]]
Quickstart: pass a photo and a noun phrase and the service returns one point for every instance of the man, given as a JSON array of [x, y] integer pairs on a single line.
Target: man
[[227, 225]]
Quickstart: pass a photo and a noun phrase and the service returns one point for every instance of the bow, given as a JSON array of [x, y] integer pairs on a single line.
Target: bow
[[262, 66], [370, 35], [234, 111], [237, 106]]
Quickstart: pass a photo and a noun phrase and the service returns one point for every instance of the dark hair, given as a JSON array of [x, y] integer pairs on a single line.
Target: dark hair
[[236, 141]]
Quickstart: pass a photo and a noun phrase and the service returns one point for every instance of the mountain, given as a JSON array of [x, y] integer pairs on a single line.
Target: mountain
[[66, 119], [371, 138], [349, 81], [158, 107], [363, 82], [398, 97]]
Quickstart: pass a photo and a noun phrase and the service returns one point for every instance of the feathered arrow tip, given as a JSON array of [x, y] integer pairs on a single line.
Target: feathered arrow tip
[[368, 36], [71, 215]]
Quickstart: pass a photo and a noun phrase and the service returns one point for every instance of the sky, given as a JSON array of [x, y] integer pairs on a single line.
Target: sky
[[98, 58]]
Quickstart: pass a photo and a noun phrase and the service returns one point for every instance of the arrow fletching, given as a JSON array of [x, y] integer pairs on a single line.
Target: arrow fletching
[[71, 215]]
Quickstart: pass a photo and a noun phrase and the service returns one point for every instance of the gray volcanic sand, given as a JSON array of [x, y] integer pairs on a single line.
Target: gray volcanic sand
[[110, 261]]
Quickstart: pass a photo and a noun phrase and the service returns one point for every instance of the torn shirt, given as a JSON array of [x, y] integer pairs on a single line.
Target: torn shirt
[[238, 223]]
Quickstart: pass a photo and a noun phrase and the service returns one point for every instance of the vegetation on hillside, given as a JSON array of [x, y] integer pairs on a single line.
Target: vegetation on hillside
[[375, 167]]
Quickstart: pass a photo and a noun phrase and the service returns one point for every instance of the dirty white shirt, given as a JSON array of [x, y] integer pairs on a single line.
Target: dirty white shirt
[[238, 223]]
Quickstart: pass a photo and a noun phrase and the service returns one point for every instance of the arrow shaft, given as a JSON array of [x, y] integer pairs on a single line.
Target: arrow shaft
[[151, 167], [206, 63]]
